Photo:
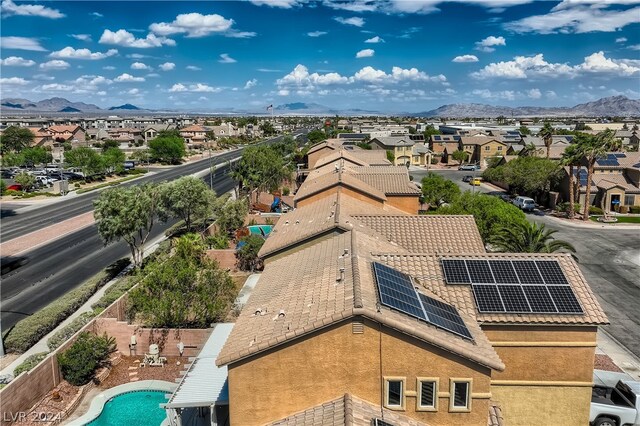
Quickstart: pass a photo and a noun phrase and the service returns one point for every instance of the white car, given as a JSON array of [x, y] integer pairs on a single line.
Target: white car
[[615, 406], [524, 203]]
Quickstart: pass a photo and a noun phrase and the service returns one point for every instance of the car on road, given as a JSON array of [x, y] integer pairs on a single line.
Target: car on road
[[475, 181], [467, 178], [615, 406], [14, 187], [472, 167], [524, 203]]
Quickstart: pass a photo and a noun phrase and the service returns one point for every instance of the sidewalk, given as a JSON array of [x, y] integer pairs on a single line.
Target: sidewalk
[[621, 356]]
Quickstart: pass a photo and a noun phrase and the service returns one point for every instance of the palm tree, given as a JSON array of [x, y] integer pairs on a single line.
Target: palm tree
[[528, 237], [570, 157], [528, 150], [592, 148], [546, 133]]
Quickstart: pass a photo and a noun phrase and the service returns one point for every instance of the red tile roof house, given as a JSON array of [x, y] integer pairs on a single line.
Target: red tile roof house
[[74, 134]]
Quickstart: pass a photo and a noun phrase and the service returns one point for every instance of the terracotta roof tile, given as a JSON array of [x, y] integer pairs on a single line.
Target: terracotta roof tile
[[392, 180], [374, 157], [338, 155], [495, 415], [322, 179]]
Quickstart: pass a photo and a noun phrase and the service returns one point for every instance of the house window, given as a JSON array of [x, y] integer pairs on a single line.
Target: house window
[[427, 394], [487, 148], [394, 393], [629, 200], [499, 148], [460, 395]]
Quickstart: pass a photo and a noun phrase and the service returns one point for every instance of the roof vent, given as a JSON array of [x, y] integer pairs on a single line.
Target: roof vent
[[281, 314], [297, 222], [357, 327], [341, 277], [286, 222], [258, 312], [346, 251]]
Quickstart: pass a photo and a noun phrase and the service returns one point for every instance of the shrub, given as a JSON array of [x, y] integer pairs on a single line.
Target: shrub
[[28, 331], [87, 354], [595, 210], [218, 241], [30, 362], [564, 207], [624, 209], [69, 330], [435, 160], [113, 293], [634, 209], [286, 191], [248, 254], [3, 187]]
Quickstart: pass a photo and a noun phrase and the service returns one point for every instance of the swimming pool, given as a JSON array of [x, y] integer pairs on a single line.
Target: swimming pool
[[263, 230], [133, 408]]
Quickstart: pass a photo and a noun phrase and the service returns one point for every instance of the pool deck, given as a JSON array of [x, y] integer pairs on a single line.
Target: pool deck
[[98, 401]]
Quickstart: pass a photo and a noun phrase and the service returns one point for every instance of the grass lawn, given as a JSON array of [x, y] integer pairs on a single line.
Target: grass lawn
[[622, 219]]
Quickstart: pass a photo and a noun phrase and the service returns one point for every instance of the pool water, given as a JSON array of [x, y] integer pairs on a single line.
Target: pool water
[[263, 230], [141, 408]]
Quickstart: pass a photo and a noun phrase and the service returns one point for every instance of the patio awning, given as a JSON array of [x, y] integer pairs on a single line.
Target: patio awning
[[205, 384]]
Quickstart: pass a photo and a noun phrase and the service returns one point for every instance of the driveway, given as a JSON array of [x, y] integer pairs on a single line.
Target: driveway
[[609, 258]]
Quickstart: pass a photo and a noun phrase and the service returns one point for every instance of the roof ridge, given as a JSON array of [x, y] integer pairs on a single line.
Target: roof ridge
[[336, 215], [348, 410], [357, 288]]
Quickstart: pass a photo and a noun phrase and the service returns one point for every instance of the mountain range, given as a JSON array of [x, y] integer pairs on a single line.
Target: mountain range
[[611, 106]]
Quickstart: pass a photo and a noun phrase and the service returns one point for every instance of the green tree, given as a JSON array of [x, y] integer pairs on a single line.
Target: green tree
[[430, 130], [248, 254], [128, 213], [189, 199], [86, 159], [437, 190], [15, 138], [85, 356], [593, 147], [110, 143], [546, 133], [230, 214], [26, 180], [391, 157], [143, 155], [186, 290], [571, 157], [167, 149], [489, 212], [524, 130], [113, 160], [460, 156], [168, 133], [36, 155], [528, 237], [316, 136], [267, 128], [526, 175], [13, 159], [261, 168]]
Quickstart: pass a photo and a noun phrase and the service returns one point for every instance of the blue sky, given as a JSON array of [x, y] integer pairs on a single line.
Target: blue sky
[[385, 55]]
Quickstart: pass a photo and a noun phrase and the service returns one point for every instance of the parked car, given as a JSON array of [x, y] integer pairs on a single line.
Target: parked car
[[467, 178], [615, 406], [45, 181], [471, 167], [475, 181], [14, 187], [524, 203]]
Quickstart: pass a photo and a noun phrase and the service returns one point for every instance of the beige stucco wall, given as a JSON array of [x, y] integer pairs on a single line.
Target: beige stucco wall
[[328, 364], [315, 156], [550, 367], [406, 203]]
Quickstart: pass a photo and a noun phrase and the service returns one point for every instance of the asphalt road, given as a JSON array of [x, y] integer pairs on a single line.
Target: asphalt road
[[609, 259], [56, 268]]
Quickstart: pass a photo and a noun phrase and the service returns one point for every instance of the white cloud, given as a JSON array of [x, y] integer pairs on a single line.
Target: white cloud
[[55, 87], [55, 64], [621, 39], [128, 78], [167, 66], [81, 37], [316, 33], [71, 53], [300, 78], [508, 95], [486, 45], [375, 39], [356, 21], [140, 66], [198, 87], [551, 94], [353, 6], [96, 15], [193, 68], [283, 92], [578, 17], [198, 25], [13, 81], [251, 83], [535, 66], [634, 47], [43, 77], [267, 70], [283, 4], [365, 53], [9, 8], [126, 39], [226, 59], [133, 92], [17, 61], [534, 93], [21, 43], [465, 58], [415, 6], [109, 68]]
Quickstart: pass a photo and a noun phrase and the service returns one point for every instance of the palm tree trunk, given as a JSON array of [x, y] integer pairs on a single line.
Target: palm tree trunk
[[587, 199], [572, 178]]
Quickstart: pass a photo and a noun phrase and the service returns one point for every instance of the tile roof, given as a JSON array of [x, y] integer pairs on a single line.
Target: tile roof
[[610, 180], [63, 129], [373, 157], [391, 180], [321, 180], [338, 155], [394, 140], [329, 143], [303, 286], [427, 233], [346, 410], [445, 146], [427, 270], [478, 140]]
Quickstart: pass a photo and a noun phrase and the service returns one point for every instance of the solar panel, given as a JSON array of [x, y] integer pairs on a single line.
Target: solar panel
[[637, 165], [503, 271], [436, 138], [513, 298], [566, 301], [539, 298], [527, 272], [620, 155], [551, 272], [397, 292], [455, 271], [487, 298], [479, 272], [444, 316]]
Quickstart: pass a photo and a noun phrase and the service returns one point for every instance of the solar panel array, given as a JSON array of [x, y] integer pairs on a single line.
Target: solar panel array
[[611, 160], [581, 175], [396, 291], [514, 286]]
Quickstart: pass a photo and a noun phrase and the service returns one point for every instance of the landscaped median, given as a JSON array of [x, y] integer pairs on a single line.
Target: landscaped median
[[108, 184]]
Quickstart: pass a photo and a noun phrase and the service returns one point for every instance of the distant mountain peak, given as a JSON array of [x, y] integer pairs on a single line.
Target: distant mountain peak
[[125, 107]]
